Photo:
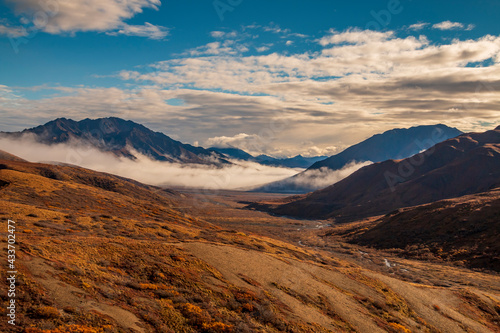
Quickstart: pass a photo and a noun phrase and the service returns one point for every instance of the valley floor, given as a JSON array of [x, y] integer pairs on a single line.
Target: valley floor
[[227, 209]]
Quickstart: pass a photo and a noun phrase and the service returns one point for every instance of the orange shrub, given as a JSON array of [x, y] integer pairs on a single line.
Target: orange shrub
[[399, 328], [47, 312], [247, 307], [191, 309], [217, 327], [65, 329], [148, 286]]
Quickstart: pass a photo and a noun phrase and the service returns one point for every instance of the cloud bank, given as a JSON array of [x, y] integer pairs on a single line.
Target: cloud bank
[[311, 180], [351, 85], [324, 177], [70, 16], [242, 175]]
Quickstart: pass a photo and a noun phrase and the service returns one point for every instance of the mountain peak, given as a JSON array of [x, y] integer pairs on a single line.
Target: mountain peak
[[393, 144], [117, 135], [59, 121], [465, 165]]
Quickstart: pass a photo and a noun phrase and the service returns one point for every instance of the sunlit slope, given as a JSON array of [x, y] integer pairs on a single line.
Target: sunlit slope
[[99, 253]]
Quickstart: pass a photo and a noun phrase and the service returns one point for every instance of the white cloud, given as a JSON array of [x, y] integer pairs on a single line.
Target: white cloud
[[274, 28], [324, 177], [147, 30], [239, 176], [448, 25], [358, 84], [262, 48], [311, 180], [418, 26], [375, 56], [227, 47], [310, 150], [217, 34], [81, 15], [230, 142], [222, 34], [253, 144], [6, 93], [295, 34], [354, 36]]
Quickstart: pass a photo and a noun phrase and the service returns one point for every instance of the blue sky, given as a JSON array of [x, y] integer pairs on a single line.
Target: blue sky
[[223, 72]]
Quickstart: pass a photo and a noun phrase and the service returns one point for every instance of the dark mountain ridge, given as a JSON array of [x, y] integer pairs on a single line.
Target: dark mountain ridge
[[397, 143], [117, 136], [459, 229], [467, 164], [298, 161], [393, 144]]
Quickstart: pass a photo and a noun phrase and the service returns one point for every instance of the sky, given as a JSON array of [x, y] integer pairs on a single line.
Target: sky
[[275, 77]]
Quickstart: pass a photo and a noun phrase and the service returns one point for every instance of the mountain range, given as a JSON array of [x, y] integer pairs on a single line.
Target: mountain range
[[122, 137], [394, 144], [467, 164], [298, 161], [119, 137]]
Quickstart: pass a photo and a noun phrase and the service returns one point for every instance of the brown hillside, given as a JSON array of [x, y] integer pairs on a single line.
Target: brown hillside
[[7, 156], [467, 164], [99, 253], [465, 229]]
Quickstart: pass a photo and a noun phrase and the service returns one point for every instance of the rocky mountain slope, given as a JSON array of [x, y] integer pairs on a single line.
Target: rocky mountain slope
[[462, 230], [467, 164], [393, 144], [119, 137]]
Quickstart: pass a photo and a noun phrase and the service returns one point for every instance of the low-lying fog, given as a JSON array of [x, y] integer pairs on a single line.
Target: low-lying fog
[[242, 175]]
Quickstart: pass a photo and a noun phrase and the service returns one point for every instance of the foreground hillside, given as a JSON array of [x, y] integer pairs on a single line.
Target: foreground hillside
[[99, 253], [467, 164], [462, 230]]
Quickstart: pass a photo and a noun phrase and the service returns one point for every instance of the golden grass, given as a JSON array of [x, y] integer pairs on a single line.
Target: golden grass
[[98, 254]]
